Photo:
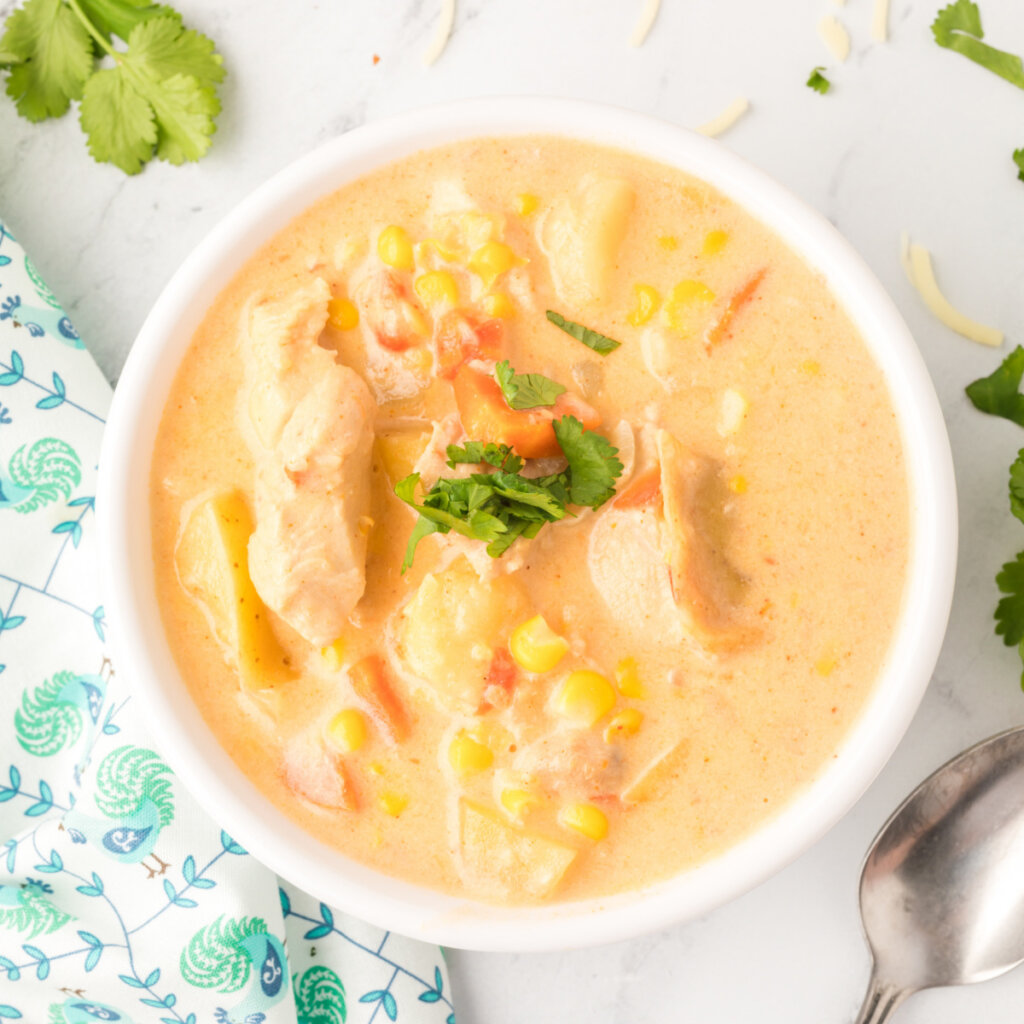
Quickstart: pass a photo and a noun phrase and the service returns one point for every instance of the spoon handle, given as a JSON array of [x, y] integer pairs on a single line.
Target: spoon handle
[[881, 999]]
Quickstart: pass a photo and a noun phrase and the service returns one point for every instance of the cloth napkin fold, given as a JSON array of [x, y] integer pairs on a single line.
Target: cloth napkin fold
[[119, 899]]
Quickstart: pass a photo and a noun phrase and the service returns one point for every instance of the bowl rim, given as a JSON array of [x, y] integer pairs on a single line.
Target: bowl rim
[[142, 651]]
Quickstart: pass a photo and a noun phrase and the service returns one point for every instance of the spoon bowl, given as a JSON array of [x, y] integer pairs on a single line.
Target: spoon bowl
[[942, 890]]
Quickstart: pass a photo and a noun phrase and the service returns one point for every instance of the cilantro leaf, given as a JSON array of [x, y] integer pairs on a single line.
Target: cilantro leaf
[[119, 17], [526, 390], [593, 463], [127, 139], [818, 82], [600, 343], [1017, 486], [1018, 159], [1010, 610], [50, 55], [958, 27], [998, 394], [500, 456]]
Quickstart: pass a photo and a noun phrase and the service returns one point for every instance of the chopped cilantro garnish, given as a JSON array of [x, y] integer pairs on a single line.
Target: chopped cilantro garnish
[[1010, 610], [818, 82], [593, 465], [1018, 159], [526, 390], [999, 393], [958, 27], [499, 507], [600, 343], [157, 97], [1017, 486]]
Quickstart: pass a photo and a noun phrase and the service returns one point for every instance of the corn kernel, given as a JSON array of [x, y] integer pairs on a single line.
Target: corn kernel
[[628, 679], [714, 242], [393, 803], [491, 260], [535, 646], [669, 242], [437, 288], [394, 248], [738, 484], [647, 302], [625, 723], [586, 819], [469, 756], [811, 367], [684, 299], [526, 203], [517, 802], [825, 665], [498, 304], [584, 697], [342, 314], [347, 730], [334, 654], [375, 768]]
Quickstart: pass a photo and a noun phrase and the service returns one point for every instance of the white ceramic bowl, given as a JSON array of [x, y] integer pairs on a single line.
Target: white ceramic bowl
[[144, 656]]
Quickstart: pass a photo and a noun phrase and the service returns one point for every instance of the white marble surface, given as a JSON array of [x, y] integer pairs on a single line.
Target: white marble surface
[[911, 137]]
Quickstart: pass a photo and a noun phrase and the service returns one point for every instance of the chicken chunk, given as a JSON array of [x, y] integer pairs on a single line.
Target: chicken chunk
[[313, 420]]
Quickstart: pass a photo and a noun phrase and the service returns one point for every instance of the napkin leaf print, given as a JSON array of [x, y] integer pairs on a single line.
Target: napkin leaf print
[[319, 996], [40, 474], [25, 908]]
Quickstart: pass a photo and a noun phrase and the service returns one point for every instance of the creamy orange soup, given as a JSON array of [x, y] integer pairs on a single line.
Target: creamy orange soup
[[633, 627]]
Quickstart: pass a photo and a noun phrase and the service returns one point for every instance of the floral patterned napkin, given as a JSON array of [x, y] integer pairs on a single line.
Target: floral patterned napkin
[[119, 899]]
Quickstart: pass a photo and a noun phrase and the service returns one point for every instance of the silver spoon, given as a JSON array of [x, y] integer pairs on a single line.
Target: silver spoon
[[942, 891]]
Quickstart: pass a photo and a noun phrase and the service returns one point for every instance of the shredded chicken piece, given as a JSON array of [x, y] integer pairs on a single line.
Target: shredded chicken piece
[[312, 418]]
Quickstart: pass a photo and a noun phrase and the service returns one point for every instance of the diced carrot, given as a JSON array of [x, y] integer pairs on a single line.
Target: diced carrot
[[461, 336], [370, 681], [720, 329], [644, 489], [500, 681], [486, 416]]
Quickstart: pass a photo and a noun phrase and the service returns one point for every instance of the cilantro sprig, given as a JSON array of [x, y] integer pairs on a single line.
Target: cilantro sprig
[[526, 390], [999, 395], [499, 506], [158, 97]]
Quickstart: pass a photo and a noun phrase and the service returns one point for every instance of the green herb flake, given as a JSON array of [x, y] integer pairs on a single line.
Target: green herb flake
[[818, 82], [1010, 610], [526, 390], [600, 343], [1017, 486], [1018, 159], [958, 27], [999, 393], [593, 462], [157, 99]]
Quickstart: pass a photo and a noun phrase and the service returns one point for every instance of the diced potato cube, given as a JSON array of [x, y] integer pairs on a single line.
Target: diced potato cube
[[212, 560], [447, 634], [581, 238], [334, 654], [399, 451], [535, 646], [659, 775], [502, 861], [732, 412]]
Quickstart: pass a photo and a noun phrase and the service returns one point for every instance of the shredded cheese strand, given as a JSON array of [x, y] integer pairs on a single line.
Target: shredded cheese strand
[[645, 22], [880, 21], [726, 119], [441, 33], [835, 37], [917, 263]]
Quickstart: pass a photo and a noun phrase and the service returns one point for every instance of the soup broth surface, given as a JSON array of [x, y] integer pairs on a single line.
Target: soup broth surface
[[708, 634]]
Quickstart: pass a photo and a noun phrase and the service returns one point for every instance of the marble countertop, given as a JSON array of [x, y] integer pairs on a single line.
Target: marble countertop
[[911, 137]]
